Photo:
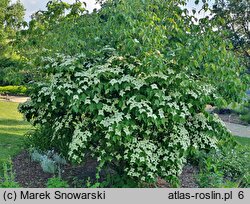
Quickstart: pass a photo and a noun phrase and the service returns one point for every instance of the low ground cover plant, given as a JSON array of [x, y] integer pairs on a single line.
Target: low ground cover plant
[[228, 166], [7, 180], [57, 182], [50, 161]]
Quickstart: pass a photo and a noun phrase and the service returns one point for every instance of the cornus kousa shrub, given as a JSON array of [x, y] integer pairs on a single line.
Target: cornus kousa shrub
[[132, 93], [142, 124]]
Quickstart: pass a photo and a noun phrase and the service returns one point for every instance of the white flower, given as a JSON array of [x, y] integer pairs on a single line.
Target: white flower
[[75, 97], [137, 41], [87, 101], [154, 86], [161, 113], [96, 99]]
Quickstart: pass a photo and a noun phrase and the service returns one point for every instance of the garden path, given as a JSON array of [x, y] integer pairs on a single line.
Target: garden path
[[16, 99], [238, 130]]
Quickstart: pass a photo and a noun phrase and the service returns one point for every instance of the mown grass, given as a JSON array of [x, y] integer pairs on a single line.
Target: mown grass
[[243, 141], [12, 130]]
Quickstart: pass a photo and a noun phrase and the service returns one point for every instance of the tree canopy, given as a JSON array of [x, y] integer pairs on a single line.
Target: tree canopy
[[236, 20], [11, 21]]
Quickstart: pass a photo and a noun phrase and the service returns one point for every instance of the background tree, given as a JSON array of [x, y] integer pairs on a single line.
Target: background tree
[[235, 18], [40, 38], [11, 21]]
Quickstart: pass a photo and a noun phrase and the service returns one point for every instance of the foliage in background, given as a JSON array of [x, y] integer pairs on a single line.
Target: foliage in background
[[245, 112], [234, 16], [42, 139], [11, 19], [14, 90], [13, 69], [39, 39], [131, 85]]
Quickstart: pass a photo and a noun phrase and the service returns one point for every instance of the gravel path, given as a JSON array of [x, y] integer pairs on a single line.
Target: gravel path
[[16, 99], [238, 130]]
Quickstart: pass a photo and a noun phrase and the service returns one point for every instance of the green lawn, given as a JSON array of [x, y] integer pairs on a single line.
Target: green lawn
[[12, 130], [243, 140]]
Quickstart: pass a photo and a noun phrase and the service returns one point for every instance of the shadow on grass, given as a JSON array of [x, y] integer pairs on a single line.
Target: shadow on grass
[[8, 140], [11, 122], [11, 144], [245, 141]]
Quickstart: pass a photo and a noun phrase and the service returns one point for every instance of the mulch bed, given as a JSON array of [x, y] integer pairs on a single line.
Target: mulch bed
[[29, 174], [230, 116]]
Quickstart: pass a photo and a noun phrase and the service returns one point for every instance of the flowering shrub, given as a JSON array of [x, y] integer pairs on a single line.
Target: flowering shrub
[[143, 123], [138, 108]]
